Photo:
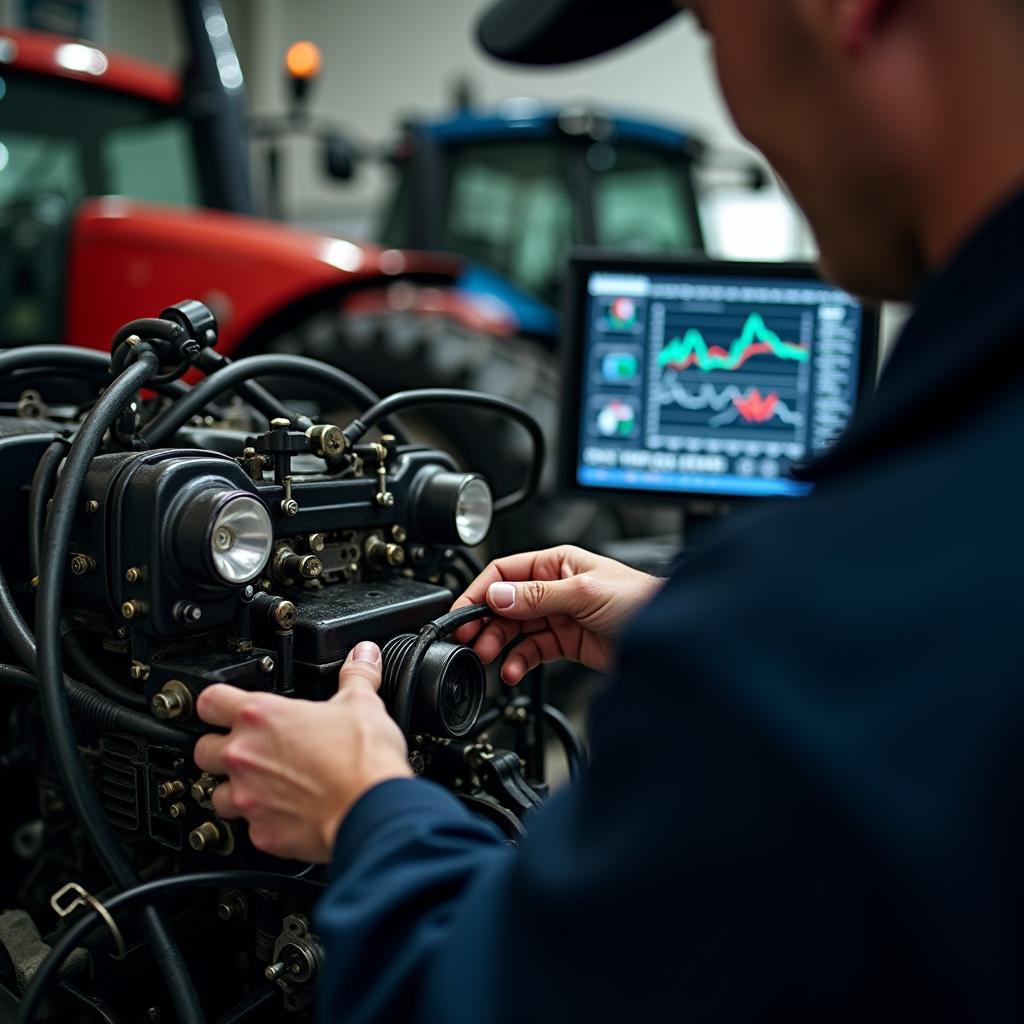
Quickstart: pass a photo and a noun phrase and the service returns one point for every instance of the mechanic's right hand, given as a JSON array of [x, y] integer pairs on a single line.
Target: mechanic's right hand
[[563, 603]]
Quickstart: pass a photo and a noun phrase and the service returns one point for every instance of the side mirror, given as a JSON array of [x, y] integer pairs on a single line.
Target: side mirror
[[340, 157]]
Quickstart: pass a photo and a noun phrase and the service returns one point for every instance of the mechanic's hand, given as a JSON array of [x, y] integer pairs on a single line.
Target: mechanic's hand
[[296, 767], [566, 603]]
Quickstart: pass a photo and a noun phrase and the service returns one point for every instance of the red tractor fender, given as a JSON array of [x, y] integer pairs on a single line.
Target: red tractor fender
[[130, 259]]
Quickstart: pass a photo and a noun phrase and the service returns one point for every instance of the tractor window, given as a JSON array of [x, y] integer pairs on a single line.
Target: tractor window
[[60, 142], [510, 210], [152, 160], [641, 199]]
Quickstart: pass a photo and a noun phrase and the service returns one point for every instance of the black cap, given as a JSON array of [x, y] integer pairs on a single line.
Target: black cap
[[559, 31]]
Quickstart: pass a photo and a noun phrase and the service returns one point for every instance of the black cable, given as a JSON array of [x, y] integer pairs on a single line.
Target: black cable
[[159, 430], [53, 697], [405, 688], [470, 559], [145, 893], [452, 396], [92, 674], [572, 742], [255, 394], [43, 482], [82, 362]]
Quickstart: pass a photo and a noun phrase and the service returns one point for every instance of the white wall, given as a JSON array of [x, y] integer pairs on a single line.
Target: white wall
[[386, 58]]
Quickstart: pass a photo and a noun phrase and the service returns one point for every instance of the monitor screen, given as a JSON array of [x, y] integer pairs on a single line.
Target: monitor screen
[[708, 379]]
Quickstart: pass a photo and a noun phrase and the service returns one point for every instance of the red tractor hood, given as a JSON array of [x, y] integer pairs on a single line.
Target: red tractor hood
[[130, 259]]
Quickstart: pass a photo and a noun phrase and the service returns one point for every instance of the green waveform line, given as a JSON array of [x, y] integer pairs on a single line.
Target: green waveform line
[[755, 339]]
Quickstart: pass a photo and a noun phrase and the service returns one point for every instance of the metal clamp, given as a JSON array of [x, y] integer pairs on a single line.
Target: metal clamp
[[86, 899]]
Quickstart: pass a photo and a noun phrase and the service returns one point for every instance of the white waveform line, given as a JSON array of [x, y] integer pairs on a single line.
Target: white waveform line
[[707, 397], [780, 410]]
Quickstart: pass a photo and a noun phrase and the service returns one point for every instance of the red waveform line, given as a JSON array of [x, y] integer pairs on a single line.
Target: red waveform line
[[755, 407], [759, 348]]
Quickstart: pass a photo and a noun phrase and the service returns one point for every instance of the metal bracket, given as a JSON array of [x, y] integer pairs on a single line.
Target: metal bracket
[[86, 899]]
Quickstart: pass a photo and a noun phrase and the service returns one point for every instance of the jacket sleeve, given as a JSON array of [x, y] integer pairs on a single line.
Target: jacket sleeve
[[700, 861]]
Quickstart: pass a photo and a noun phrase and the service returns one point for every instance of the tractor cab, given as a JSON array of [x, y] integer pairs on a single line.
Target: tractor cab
[[513, 188]]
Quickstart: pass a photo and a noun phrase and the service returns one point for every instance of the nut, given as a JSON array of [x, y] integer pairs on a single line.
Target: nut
[[290, 507], [395, 554], [82, 564], [177, 809], [267, 663], [139, 670], [202, 789], [399, 534], [204, 836], [92, 506], [130, 609], [133, 574]]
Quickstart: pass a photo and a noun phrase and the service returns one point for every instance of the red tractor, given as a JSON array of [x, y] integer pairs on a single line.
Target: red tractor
[[124, 187]]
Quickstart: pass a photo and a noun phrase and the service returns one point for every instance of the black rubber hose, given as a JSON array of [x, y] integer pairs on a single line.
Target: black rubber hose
[[159, 430], [87, 670], [142, 894], [257, 396], [43, 481], [405, 687], [53, 697], [88, 704], [572, 742], [452, 396], [87, 362]]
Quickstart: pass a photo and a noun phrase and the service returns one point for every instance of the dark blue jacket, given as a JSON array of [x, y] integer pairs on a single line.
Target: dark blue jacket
[[806, 799]]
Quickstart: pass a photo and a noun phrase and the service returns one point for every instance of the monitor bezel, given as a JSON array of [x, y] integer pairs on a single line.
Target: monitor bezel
[[585, 261]]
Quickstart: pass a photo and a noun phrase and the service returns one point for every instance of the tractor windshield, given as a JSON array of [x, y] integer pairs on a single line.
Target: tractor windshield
[[60, 143], [516, 205]]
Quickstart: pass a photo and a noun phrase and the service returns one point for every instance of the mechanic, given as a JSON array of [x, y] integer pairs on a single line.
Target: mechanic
[[805, 797]]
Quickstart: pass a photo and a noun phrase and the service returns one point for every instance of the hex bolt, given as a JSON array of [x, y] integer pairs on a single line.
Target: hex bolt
[[267, 663], [310, 567], [133, 574], [204, 836], [130, 609], [92, 506], [385, 499], [399, 534], [82, 564], [187, 613], [173, 701], [290, 507], [177, 809], [317, 542], [172, 788]]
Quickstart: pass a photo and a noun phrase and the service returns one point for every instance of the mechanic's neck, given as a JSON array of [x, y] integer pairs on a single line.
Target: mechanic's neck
[[976, 160]]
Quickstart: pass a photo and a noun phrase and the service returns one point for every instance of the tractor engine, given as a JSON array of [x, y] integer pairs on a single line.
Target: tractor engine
[[162, 537]]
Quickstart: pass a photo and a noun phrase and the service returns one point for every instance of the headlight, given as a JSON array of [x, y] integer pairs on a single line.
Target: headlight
[[224, 537], [240, 539], [453, 508]]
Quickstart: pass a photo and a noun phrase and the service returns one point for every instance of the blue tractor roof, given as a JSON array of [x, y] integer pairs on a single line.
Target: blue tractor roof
[[532, 118]]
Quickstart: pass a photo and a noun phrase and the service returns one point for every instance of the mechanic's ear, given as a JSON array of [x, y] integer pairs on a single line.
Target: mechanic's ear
[[858, 21], [362, 668]]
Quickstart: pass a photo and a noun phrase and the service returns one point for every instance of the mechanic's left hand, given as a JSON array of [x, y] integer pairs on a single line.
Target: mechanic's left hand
[[296, 767]]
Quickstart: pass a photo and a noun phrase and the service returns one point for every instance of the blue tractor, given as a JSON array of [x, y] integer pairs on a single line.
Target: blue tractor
[[513, 188]]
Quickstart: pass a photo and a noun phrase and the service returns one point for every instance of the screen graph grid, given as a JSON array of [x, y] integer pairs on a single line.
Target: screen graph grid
[[712, 384]]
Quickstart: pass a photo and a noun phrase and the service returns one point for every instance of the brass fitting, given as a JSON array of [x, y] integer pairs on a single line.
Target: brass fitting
[[133, 608], [283, 614], [202, 789], [177, 809], [173, 701], [205, 836], [171, 788], [82, 565]]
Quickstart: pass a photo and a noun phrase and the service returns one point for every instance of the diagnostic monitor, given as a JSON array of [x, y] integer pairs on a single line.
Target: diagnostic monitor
[[707, 379]]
